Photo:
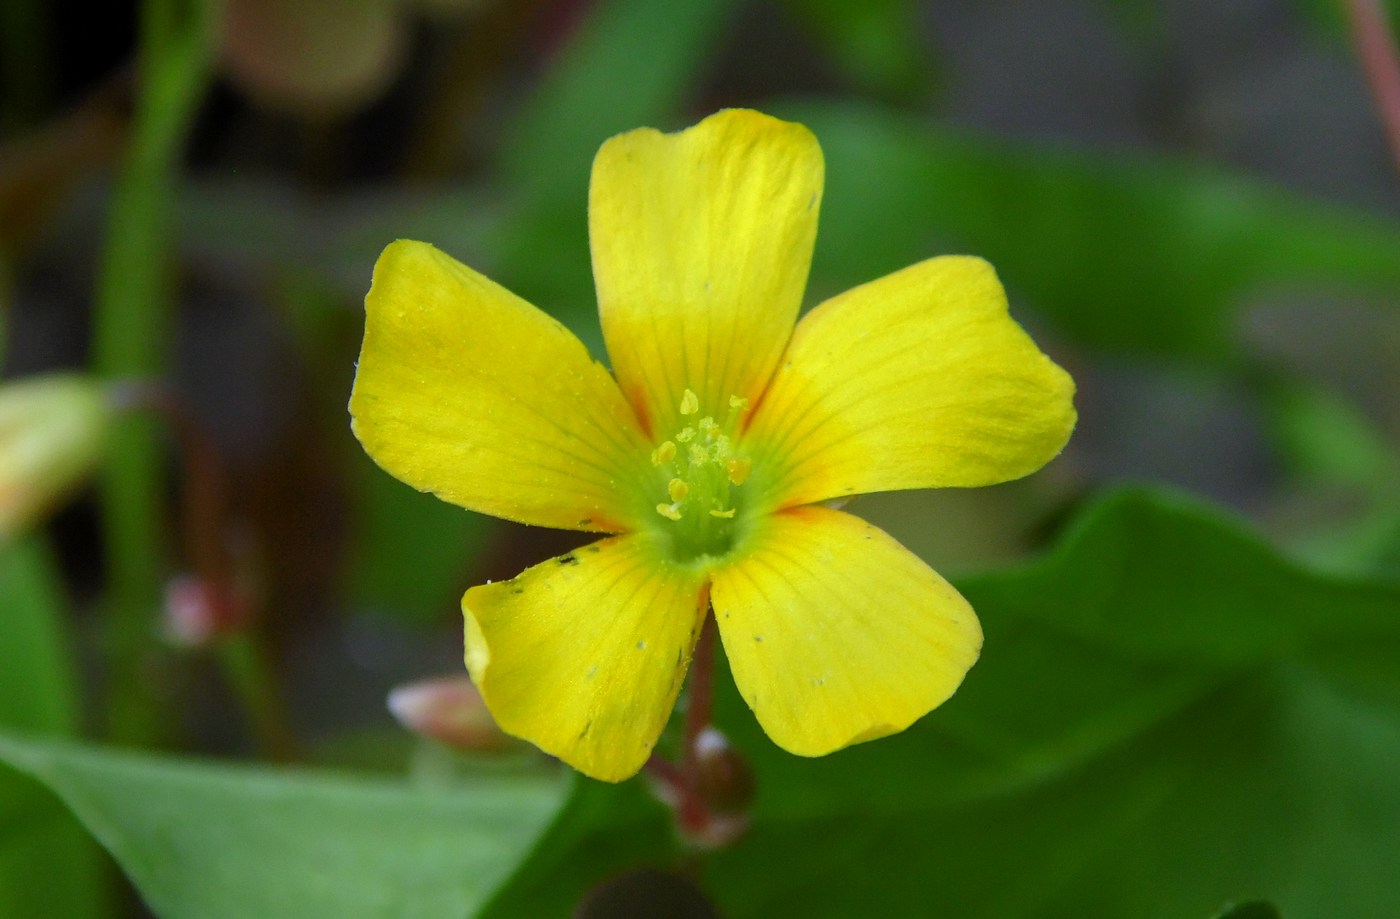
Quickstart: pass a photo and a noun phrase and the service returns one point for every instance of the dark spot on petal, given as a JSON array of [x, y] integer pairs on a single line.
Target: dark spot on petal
[[594, 548], [586, 728], [569, 559], [518, 590]]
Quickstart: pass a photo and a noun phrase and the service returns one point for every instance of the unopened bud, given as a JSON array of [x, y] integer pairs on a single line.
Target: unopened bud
[[53, 431], [451, 711], [723, 778], [199, 613]]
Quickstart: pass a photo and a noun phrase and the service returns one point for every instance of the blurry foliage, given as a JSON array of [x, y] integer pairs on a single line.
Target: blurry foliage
[[1170, 716]]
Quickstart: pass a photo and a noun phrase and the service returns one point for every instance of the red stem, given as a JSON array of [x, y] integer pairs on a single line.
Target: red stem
[[1375, 45]]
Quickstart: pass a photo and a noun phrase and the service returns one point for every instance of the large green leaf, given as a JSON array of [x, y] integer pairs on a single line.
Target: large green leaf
[[47, 863], [219, 841], [1168, 717], [1124, 252]]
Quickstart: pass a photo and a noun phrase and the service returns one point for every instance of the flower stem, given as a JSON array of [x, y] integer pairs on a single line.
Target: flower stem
[[1375, 46], [691, 811], [204, 530]]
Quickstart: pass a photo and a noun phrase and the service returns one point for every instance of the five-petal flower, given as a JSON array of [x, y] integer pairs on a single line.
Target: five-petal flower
[[709, 455]]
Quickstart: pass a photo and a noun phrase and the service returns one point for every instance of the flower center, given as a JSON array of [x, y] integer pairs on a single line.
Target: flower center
[[701, 475]]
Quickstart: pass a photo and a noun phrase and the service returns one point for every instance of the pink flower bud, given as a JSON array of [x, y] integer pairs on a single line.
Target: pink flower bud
[[449, 710]]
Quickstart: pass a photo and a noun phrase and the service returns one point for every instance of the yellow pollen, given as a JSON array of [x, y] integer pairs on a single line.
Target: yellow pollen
[[677, 490], [699, 456], [669, 511], [724, 514], [686, 435], [739, 469], [690, 403], [664, 453], [738, 403], [708, 427]]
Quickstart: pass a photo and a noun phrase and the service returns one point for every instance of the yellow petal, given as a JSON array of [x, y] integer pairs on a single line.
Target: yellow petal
[[837, 634], [467, 391], [917, 380], [583, 655], [701, 243]]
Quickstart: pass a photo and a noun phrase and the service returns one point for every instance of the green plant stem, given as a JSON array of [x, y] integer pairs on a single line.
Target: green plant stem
[[205, 550], [131, 331], [248, 671]]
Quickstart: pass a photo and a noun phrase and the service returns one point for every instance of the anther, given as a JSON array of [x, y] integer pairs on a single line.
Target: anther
[[686, 435], [725, 515], [664, 453], [738, 469], [669, 511], [698, 455], [677, 490], [738, 403], [690, 403]]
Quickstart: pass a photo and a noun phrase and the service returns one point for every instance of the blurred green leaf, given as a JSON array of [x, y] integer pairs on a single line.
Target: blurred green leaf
[[1255, 909], [1167, 713], [1124, 253], [214, 841], [48, 866], [1325, 437], [877, 43], [412, 551]]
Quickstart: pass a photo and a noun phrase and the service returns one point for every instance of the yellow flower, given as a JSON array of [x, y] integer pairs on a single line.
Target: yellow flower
[[710, 453]]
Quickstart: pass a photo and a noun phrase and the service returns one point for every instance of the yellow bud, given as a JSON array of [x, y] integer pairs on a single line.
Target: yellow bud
[[53, 431]]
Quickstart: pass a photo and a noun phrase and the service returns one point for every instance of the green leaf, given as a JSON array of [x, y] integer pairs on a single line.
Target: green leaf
[[1125, 253], [1168, 714], [412, 552], [48, 866], [1254, 909], [220, 841]]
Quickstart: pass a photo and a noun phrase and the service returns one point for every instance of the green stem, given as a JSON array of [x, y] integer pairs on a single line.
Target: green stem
[[246, 667], [131, 332]]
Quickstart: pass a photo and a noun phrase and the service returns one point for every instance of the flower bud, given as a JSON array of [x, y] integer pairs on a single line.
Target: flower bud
[[199, 613], [53, 431], [450, 711]]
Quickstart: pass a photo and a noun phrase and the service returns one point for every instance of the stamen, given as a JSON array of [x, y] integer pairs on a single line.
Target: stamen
[[669, 511], [677, 490], [739, 469], [690, 403], [723, 514], [664, 453]]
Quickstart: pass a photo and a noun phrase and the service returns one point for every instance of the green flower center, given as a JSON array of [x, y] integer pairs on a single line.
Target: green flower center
[[701, 476]]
